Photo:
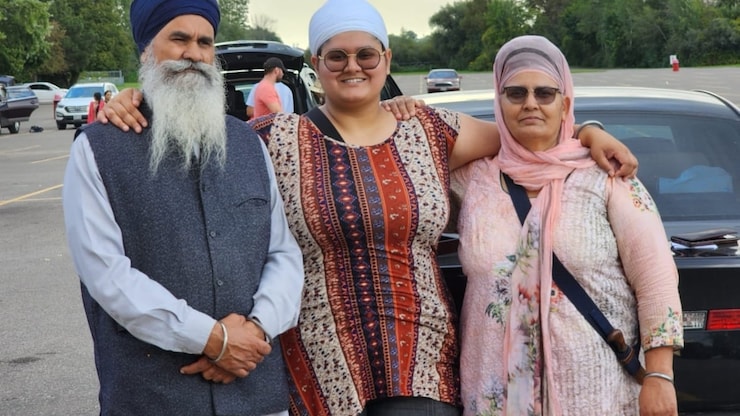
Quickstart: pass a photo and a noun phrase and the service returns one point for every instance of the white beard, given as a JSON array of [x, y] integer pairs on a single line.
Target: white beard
[[188, 106]]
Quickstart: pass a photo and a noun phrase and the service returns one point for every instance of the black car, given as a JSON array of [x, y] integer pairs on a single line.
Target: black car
[[242, 66], [688, 145], [16, 105]]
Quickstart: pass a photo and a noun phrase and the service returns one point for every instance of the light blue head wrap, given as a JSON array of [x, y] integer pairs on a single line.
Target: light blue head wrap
[[339, 16]]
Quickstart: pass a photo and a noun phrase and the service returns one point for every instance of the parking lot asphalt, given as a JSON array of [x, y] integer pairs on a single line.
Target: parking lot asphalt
[[46, 357]]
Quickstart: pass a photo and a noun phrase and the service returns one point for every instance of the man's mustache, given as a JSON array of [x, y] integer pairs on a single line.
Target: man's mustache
[[172, 69]]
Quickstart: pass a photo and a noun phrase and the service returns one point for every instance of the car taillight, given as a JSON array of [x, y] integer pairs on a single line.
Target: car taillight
[[714, 320], [723, 319]]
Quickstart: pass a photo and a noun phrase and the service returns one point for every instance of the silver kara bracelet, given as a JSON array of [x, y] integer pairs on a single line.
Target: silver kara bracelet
[[659, 375], [586, 124], [223, 346], [259, 325]]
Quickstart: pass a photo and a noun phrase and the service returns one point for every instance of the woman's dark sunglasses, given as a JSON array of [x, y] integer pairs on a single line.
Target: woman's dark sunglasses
[[543, 95], [336, 60]]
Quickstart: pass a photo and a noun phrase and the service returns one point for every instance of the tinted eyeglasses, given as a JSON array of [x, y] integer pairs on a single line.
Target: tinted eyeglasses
[[336, 60], [543, 95]]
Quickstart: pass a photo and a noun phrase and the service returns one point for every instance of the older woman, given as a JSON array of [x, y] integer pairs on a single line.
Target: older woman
[[525, 348]]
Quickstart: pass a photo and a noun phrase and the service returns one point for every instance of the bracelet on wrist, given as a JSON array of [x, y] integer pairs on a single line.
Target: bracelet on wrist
[[586, 124], [259, 325], [223, 345], [659, 375]]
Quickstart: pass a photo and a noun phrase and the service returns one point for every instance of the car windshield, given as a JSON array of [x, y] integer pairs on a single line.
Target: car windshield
[[88, 91], [443, 74]]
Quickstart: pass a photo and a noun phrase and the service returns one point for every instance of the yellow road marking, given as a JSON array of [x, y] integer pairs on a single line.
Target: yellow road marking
[[26, 196]]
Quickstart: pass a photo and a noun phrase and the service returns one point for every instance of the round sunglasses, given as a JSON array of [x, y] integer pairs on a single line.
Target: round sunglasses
[[336, 60]]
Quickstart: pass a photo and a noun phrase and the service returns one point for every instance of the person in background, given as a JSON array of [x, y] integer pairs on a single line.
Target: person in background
[[266, 97], [94, 107], [367, 199], [189, 271], [285, 94], [525, 348], [107, 96]]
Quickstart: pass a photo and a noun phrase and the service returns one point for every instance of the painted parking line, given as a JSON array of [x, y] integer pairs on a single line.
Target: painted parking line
[[50, 159], [19, 150], [26, 196]]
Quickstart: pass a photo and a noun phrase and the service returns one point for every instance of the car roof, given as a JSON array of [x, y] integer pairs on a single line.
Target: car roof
[[92, 84], [637, 99], [242, 55]]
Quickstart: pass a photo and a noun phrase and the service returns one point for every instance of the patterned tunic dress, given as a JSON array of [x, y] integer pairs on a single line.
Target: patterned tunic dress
[[376, 318], [610, 237]]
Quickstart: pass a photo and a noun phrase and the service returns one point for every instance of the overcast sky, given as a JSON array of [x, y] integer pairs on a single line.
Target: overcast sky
[[290, 17]]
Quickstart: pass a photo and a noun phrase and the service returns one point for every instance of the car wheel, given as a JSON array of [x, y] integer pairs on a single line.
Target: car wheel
[[15, 127], [61, 126]]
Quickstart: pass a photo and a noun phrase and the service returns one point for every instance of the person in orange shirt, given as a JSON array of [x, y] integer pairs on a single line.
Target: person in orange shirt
[[266, 98]]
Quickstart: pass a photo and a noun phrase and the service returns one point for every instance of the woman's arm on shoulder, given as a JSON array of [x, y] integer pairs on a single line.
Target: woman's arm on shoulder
[[609, 153], [476, 139]]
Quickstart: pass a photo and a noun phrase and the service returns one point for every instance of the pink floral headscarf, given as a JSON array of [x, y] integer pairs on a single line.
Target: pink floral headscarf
[[546, 171]]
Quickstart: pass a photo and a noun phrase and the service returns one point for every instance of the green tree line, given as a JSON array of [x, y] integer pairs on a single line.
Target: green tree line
[[591, 33], [57, 40]]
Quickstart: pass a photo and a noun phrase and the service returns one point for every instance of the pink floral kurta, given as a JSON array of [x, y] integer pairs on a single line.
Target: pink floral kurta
[[610, 237]]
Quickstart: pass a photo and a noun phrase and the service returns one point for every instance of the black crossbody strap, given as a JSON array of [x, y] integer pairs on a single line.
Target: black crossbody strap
[[323, 123], [626, 354]]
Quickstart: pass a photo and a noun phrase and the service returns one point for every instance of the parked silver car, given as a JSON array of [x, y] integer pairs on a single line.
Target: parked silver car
[[72, 109], [440, 80]]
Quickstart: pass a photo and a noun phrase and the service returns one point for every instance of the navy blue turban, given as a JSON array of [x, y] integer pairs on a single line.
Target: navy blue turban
[[148, 17]]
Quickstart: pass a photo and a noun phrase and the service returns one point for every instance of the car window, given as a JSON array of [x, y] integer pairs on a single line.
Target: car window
[[78, 92], [39, 87], [443, 74], [688, 164], [15, 93]]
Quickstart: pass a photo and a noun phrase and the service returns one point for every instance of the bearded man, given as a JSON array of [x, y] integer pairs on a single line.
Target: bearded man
[[187, 265]]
